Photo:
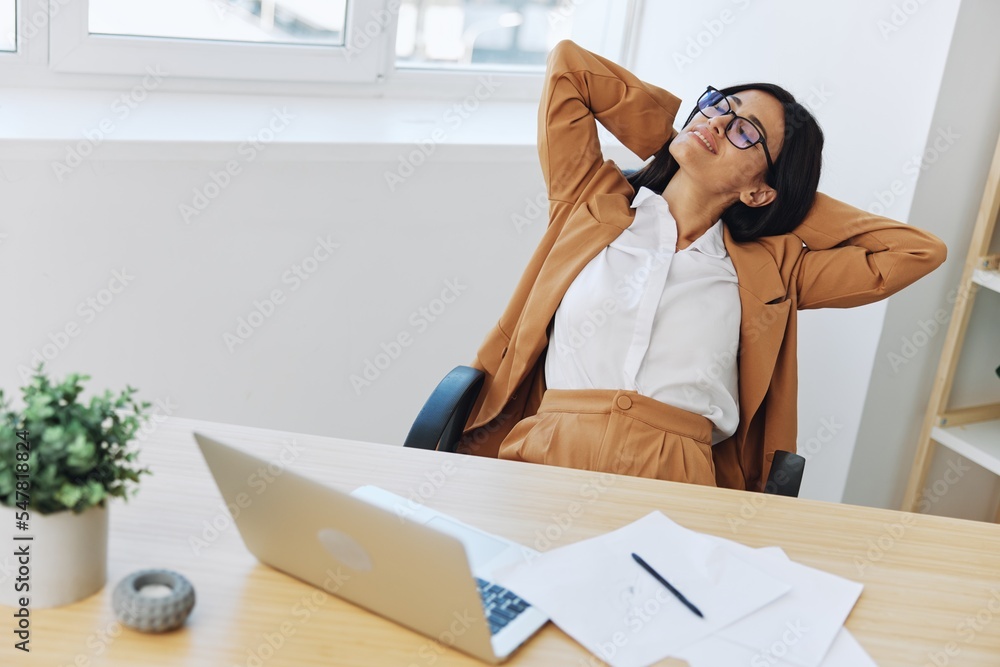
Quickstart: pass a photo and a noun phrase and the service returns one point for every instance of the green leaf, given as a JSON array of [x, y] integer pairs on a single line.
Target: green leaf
[[69, 495], [82, 453]]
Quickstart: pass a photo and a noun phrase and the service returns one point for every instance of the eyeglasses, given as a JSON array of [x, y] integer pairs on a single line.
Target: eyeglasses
[[740, 131]]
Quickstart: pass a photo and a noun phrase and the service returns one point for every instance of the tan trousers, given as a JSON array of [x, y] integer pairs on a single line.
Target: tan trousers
[[614, 431]]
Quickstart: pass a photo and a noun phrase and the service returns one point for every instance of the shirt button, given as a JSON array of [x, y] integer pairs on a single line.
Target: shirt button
[[624, 402]]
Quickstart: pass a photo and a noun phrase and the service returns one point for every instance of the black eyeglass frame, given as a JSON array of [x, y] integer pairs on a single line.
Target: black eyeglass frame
[[729, 110]]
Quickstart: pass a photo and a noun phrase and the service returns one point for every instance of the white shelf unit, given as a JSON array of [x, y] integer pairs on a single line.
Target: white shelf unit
[[972, 432], [979, 442], [986, 278]]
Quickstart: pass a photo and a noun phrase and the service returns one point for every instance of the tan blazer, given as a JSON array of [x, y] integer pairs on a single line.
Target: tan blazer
[[850, 258]]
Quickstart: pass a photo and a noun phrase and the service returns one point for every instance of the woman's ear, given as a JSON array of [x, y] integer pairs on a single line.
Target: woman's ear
[[761, 194]]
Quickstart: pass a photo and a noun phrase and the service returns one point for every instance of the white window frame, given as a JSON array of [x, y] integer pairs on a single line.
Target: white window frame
[[72, 48], [22, 56], [109, 66]]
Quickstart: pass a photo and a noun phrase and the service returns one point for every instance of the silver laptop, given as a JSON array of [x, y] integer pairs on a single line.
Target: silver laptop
[[406, 562]]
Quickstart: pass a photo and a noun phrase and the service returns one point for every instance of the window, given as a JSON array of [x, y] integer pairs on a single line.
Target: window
[[8, 25], [267, 40], [343, 41], [502, 34], [319, 22]]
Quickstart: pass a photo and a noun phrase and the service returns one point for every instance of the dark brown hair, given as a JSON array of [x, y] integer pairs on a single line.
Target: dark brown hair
[[795, 179]]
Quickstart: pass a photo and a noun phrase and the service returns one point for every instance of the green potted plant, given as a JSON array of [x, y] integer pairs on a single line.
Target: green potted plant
[[61, 460]]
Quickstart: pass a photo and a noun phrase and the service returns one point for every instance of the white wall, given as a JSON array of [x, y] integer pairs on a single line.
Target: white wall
[[850, 62], [948, 195], [451, 220], [164, 331]]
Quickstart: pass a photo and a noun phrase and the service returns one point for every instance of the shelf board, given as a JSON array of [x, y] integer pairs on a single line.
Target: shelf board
[[978, 442], [986, 278]]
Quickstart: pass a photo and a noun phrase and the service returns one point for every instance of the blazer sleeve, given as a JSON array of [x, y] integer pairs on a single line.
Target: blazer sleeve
[[853, 257], [580, 87]]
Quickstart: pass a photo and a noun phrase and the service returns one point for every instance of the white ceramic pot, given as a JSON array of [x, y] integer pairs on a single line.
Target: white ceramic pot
[[67, 557]]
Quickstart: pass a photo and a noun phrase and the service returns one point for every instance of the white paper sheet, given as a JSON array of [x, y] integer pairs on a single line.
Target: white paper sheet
[[716, 651], [801, 629], [602, 598], [760, 607]]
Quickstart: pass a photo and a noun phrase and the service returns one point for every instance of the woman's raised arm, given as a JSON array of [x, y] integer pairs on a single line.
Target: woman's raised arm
[[856, 257], [580, 87]]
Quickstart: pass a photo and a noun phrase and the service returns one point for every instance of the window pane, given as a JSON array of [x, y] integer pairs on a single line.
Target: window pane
[[8, 25], [463, 32], [277, 21]]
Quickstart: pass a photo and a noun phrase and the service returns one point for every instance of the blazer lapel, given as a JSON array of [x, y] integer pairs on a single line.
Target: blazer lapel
[[763, 323], [590, 229]]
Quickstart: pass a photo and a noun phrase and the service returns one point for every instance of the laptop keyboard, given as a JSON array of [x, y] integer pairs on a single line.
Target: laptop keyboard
[[502, 606]]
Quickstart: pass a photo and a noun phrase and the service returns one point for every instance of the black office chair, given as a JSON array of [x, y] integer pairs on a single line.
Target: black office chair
[[440, 423]]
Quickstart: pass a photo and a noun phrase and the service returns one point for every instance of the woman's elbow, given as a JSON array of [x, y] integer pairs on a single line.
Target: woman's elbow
[[937, 253], [928, 253]]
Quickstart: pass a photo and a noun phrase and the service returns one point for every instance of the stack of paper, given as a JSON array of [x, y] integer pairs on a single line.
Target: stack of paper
[[760, 608]]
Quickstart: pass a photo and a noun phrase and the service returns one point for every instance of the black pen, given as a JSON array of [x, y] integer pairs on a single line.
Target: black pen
[[677, 593]]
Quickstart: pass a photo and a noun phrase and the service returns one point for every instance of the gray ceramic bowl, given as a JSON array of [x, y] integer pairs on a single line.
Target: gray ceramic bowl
[[153, 614]]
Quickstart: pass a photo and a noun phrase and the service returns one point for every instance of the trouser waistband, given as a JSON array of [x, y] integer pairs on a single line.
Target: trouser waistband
[[631, 404]]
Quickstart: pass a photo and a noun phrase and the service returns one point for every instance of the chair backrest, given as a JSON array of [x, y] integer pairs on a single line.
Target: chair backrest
[[440, 422], [785, 477]]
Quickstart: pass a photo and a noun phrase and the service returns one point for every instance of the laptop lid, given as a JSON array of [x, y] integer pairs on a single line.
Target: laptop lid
[[399, 569]]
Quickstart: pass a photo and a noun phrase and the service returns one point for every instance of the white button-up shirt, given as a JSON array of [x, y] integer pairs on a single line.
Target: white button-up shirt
[[646, 317]]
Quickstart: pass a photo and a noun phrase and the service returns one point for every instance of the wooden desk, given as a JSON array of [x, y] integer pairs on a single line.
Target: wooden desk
[[927, 579]]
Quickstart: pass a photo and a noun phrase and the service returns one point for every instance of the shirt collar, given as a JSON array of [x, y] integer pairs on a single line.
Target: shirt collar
[[710, 243], [643, 196]]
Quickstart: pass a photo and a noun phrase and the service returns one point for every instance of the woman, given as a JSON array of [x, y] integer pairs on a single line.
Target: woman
[[653, 331]]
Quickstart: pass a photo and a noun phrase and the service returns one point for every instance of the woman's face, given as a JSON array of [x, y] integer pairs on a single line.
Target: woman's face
[[702, 149]]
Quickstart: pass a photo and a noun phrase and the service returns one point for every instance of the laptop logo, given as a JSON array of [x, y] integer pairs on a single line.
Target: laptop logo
[[345, 549]]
